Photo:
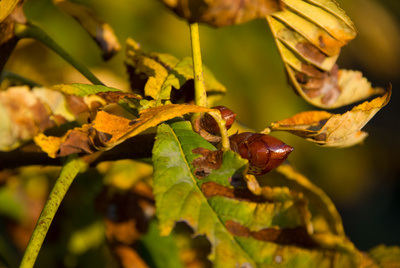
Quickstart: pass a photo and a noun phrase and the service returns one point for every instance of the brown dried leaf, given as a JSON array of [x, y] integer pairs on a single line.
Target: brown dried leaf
[[336, 130], [27, 112], [219, 13], [100, 31]]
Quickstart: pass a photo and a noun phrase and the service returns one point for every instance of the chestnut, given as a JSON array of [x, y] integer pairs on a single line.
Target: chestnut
[[209, 124], [264, 152]]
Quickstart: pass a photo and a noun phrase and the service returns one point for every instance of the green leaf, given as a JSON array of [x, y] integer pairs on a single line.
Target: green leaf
[[81, 90], [178, 193], [193, 182]]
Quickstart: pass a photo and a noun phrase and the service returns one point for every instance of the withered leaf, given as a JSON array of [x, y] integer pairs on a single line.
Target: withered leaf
[[334, 130], [74, 141], [108, 130], [309, 36], [100, 31], [27, 112], [219, 13]]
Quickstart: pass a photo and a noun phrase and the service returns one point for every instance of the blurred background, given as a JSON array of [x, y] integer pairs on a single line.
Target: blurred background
[[363, 181]]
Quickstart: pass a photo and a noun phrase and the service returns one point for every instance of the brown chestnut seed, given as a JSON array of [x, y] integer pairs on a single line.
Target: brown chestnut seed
[[209, 124], [263, 152]]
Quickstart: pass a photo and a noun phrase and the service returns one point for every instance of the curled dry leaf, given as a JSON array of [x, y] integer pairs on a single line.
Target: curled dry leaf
[[100, 31], [219, 13], [108, 130], [163, 77], [309, 36], [334, 130], [28, 112]]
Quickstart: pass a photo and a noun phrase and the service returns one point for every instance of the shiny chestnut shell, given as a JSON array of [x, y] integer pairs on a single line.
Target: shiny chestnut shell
[[209, 124], [263, 152]]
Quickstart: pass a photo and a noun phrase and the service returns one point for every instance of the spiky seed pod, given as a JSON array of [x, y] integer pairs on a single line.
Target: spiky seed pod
[[209, 124], [263, 152]]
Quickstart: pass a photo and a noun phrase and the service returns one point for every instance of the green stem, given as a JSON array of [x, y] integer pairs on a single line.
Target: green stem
[[68, 173], [31, 31], [199, 86]]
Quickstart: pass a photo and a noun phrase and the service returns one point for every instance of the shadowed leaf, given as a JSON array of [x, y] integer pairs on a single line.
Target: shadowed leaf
[[219, 13], [100, 31], [333, 130], [163, 77]]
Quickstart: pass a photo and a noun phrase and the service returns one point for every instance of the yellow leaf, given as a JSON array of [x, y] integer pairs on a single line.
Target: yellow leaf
[[334, 130], [112, 130], [309, 36]]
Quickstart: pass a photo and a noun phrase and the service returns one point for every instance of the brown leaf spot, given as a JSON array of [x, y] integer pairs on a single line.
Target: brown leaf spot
[[209, 161], [285, 236], [211, 189], [315, 82], [76, 142], [311, 52], [115, 96], [76, 104], [237, 229]]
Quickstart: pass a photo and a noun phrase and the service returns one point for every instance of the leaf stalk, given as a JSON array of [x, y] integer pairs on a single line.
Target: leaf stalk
[[199, 85], [68, 173]]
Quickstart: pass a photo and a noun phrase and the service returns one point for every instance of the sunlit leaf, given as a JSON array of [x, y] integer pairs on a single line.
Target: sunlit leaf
[[100, 31], [163, 77], [108, 130], [112, 130], [269, 229], [333, 130], [219, 13]]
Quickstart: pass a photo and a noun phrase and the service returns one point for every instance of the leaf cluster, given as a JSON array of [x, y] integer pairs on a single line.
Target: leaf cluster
[[245, 221]]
